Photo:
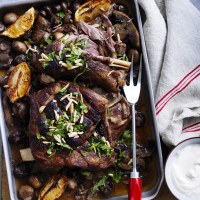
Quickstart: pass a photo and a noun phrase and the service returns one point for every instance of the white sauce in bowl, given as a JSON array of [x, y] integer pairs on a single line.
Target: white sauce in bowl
[[186, 170]]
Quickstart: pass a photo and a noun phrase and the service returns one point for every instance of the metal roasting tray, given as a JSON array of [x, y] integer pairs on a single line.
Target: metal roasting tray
[[152, 188]]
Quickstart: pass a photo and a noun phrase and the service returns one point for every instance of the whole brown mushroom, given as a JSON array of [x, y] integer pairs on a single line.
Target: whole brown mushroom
[[19, 59], [57, 8], [67, 18], [126, 29], [19, 46], [2, 27], [3, 80], [75, 6], [10, 18], [35, 181], [26, 192], [72, 184], [5, 46], [5, 60], [17, 137], [22, 170], [58, 35], [48, 10], [64, 6], [20, 109]]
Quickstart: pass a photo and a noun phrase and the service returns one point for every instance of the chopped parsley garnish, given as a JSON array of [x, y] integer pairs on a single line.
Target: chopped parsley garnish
[[49, 40], [62, 91], [101, 182], [126, 138], [70, 57], [66, 124], [30, 41], [115, 174], [45, 64], [85, 173], [122, 57], [100, 146], [60, 14], [51, 56]]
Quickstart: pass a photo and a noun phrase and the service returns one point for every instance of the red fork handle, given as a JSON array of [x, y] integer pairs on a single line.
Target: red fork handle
[[135, 189]]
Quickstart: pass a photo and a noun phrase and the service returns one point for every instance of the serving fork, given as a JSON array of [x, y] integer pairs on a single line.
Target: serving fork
[[132, 93]]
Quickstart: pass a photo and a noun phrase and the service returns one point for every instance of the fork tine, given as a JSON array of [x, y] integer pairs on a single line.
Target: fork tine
[[140, 71], [131, 71]]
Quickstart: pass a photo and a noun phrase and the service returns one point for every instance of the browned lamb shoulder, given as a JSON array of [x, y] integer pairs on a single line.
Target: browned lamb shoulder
[[54, 61], [71, 125]]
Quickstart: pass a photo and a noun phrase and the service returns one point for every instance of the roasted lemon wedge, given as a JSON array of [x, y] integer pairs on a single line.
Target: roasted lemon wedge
[[53, 188], [22, 25], [91, 9], [18, 82], [3, 73]]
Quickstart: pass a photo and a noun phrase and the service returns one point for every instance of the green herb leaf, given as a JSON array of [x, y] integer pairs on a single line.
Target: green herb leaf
[[127, 135], [45, 64], [117, 176], [81, 73], [126, 138], [48, 40], [99, 146], [85, 173], [86, 43], [76, 52], [83, 108], [30, 41], [51, 56], [62, 91], [38, 135], [60, 14], [100, 183]]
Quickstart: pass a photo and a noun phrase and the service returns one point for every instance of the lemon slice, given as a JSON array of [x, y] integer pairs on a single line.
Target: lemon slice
[[91, 9], [22, 25], [3, 73], [18, 82]]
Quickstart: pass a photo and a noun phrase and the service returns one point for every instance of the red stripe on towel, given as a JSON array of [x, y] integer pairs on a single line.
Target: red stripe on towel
[[198, 123], [177, 89], [192, 128], [176, 86]]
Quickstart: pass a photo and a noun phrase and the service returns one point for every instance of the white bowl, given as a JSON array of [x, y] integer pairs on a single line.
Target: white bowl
[[169, 175]]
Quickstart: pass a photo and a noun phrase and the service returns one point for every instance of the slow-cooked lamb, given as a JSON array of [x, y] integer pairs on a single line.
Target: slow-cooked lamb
[[68, 117], [65, 118], [95, 70], [88, 42]]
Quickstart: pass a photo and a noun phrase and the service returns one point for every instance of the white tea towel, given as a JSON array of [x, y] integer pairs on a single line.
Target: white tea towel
[[176, 73], [156, 49]]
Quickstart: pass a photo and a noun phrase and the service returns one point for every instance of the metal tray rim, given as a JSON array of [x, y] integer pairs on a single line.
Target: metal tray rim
[[147, 195]]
